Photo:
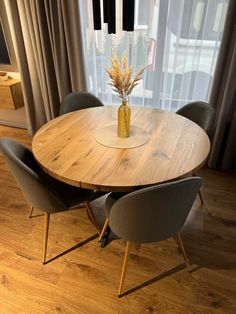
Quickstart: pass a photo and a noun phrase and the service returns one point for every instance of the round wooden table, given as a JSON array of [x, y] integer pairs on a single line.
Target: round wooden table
[[66, 148]]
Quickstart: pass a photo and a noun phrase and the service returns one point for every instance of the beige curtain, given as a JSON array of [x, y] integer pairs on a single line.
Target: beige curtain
[[223, 97], [47, 40]]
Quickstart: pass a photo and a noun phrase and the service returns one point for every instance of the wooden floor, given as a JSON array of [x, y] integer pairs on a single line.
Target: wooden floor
[[85, 280]]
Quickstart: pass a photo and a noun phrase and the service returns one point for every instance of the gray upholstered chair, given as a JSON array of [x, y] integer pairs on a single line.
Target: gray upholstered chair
[[202, 114], [151, 214], [79, 100], [41, 190]]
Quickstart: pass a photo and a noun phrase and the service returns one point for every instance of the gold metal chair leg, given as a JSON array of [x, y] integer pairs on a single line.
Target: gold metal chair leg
[[91, 215], [103, 229], [200, 195], [45, 237], [124, 267], [31, 211], [179, 242]]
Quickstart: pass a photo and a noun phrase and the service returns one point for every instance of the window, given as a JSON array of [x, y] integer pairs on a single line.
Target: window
[[4, 56], [141, 16], [7, 54], [178, 41]]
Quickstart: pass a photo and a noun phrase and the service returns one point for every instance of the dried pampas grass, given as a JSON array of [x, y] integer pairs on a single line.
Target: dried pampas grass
[[121, 76]]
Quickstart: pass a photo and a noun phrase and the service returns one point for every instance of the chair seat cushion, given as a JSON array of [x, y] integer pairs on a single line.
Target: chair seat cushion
[[71, 195]]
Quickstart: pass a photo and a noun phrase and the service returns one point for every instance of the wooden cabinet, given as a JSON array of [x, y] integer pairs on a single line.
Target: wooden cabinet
[[11, 96]]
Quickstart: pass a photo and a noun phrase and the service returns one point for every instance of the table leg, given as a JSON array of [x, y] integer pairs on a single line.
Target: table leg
[[105, 238]]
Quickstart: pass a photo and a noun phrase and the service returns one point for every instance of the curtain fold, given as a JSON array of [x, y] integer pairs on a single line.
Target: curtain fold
[[48, 45], [223, 97]]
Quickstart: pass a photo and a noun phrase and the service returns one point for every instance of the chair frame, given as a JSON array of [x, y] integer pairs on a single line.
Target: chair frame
[[47, 221], [49, 201], [176, 237]]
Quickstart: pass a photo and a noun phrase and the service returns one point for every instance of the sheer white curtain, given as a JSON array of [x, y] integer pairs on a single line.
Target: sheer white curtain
[[178, 41]]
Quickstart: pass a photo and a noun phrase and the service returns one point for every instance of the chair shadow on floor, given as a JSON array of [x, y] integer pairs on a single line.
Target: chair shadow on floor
[[72, 248], [76, 246], [154, 279], [36, 215]]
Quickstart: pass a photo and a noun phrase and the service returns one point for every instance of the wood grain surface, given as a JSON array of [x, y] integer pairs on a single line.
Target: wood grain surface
[[67, 149]]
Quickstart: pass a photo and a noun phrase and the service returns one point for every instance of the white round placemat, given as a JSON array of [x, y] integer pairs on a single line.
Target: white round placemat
[[107, 136]]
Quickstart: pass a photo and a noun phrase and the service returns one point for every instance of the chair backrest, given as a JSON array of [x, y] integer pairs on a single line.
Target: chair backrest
[[29, 176], [201, 113], [155, 213], [79, 100]]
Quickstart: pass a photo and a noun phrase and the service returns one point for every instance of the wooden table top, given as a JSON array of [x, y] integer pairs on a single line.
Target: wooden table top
[[66, 148]]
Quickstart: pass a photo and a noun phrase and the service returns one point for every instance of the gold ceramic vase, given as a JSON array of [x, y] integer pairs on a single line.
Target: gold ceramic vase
[[124, 120]]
